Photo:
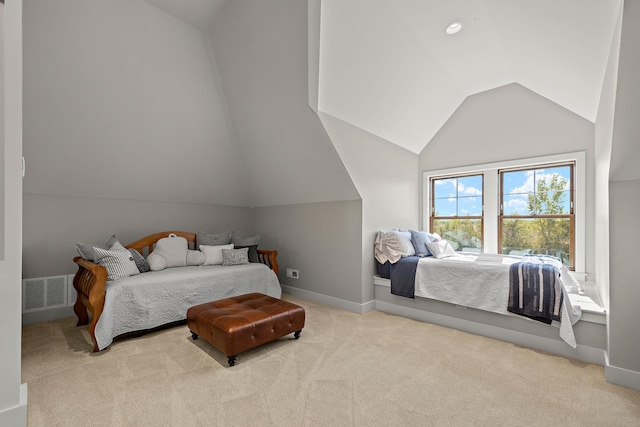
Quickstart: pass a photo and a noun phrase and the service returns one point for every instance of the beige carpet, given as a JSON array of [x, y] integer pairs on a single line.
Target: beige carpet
[[345, 370]]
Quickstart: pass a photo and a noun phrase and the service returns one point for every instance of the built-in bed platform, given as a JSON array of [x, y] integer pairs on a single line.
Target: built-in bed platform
[[590, 330]]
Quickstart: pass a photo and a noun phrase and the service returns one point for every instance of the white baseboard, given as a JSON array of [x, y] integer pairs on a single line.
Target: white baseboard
[[354, 307], [16, 415], [621, 376], [581, 352]]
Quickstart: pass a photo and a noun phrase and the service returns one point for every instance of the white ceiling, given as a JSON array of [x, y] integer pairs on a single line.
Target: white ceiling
[[388, 67]]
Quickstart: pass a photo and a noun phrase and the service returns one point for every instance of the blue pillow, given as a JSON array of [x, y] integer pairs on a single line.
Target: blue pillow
[[419, 240]]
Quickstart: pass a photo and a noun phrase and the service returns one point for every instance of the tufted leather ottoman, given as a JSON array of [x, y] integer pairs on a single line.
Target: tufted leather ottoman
[[237, 324]]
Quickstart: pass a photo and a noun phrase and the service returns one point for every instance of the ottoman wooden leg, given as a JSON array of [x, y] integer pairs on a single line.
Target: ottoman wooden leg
[[232, 360], [296, 335], [194, 335]]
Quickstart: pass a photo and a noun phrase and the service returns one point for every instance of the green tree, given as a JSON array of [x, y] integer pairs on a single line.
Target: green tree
[[542, 235]]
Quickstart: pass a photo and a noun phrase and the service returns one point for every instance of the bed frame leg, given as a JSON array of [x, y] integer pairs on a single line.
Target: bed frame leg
[[81, 311]]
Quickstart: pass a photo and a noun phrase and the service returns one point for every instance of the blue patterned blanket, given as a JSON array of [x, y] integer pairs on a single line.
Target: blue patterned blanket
[[534, 289]]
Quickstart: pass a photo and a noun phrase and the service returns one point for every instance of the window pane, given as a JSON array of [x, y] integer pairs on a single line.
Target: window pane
[[543, 191], [445, 207], [470, 186], [470, 206], [549, 236], [516, 204], [460, 196], [465, 235], [444, 188]]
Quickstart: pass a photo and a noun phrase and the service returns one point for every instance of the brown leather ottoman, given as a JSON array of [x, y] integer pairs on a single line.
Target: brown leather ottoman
[[237, 324]]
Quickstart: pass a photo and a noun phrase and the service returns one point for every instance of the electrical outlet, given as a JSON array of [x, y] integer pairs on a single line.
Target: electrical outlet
[[293, 274]]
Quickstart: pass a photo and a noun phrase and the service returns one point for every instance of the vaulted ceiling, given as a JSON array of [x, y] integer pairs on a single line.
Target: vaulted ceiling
[[388, 66]]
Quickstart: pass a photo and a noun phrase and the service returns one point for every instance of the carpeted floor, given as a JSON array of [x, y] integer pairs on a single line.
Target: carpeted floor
[[345, 370]]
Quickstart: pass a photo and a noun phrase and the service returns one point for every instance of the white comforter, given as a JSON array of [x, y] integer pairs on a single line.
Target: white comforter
[[482, 281], [156, 298]]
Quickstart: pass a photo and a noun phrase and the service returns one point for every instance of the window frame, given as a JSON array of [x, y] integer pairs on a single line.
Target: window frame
[[432, 217], [491, 197], [570, 215]]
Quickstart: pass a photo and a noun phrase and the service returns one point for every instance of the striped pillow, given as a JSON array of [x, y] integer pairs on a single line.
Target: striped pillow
[[118, 263]]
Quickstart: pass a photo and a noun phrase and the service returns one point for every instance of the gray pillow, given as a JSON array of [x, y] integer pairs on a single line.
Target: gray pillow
[[238, 240], [141, 263], [235, 256], [253, 252], [213, 239], [86, 251]]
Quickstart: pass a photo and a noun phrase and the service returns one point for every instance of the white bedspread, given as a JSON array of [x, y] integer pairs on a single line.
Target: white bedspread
[[156, 298], [482, 281]]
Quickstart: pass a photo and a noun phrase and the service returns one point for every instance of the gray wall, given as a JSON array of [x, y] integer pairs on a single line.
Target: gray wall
[[321, 240], [261, 51], [125, 131], [13, 394], [508, 123], [52, 224], [624, 205], [603, 142], [386, 177], [121, 102]]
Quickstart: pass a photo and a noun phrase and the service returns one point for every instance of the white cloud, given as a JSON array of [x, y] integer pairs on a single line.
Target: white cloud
[[517, 205], [468, 191]]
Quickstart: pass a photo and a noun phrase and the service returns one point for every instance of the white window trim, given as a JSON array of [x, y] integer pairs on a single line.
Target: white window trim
[[492, 204]]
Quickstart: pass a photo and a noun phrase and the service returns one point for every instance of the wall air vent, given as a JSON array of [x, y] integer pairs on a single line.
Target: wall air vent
[[45, 292]]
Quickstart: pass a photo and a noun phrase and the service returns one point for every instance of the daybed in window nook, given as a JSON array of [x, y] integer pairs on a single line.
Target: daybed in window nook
[[420, 264], [172, 282]]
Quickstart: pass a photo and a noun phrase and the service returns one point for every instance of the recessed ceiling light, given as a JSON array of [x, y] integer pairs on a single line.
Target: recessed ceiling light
[[454, 28]]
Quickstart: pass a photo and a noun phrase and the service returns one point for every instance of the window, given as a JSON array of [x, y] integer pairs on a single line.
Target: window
[[536, 211], [457, 211], [501, 220]]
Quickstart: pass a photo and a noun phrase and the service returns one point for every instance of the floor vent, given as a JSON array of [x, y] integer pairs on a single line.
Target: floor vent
[[44, 293]]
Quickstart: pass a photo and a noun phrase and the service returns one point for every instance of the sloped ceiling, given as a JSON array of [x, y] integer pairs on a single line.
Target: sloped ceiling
[[198, 13], [388, 67]]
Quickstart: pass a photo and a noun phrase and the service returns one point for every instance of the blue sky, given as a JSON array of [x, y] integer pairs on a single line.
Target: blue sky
[[459, 196], [463, 196]]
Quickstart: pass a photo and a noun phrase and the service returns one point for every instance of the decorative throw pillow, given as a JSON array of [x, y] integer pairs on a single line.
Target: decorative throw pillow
[[111, 241], [195, 257], [419, 240], [238, 240], [253, 252], [213, 254], [235, 256], [118, 263], [393, 245], [170, 251], [441, 249], [86, 251], [213, 239], [141, 263]]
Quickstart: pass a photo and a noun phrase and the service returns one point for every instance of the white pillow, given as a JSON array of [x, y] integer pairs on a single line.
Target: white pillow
[[393, 245], [213, 254], [441, 249]]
